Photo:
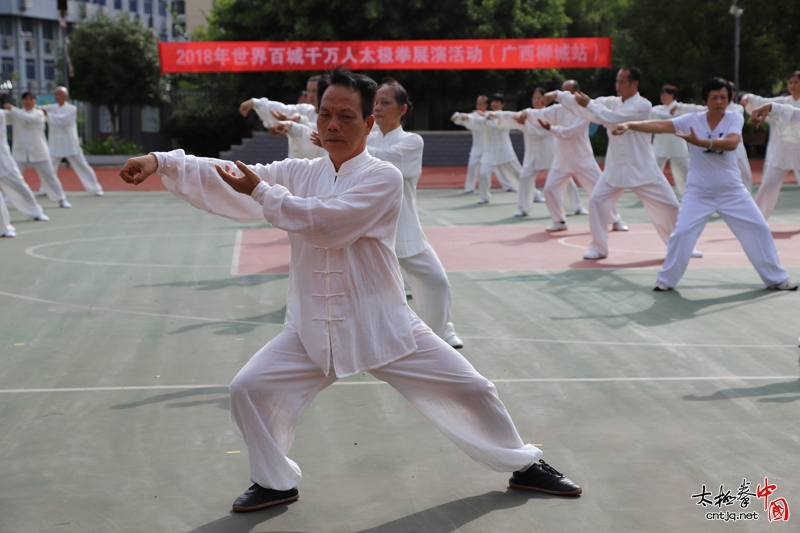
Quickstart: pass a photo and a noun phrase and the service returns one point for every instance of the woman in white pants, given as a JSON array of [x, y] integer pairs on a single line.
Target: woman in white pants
[[12, 185], [426, 275], [668, 147], [714, 185]]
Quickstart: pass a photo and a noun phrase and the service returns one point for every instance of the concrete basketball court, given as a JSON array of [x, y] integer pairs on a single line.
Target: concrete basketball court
[[123, 319]]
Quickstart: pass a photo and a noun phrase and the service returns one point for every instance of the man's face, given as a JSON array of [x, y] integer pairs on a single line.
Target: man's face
[[342, 128], [481, 104], [794, 86], [625, 87], [61, 96], [496, 105], [536, 100], [311, 89], [718, 100], [29, 102]]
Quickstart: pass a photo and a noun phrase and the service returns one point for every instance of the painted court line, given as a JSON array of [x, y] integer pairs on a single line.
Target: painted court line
[[237, 248], [350, 383]]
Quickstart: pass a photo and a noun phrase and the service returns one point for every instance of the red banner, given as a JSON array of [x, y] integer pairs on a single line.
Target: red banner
[[474, 54]]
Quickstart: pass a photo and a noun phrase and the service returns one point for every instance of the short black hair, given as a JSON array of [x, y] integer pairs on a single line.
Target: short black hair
[[497, 96], [634, 74], [669, 89], [540, 90], [400, 96], [715, 84], [363, 85], [27, 94]]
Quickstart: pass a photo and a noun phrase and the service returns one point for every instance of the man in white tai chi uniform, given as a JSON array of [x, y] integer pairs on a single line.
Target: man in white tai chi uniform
[[499, 157], [469, 121], [346, 311], [574, 157], [539, 148], [62, 117], [714, 185], [668, 147], [30, 146], [13, 186], [782, 156], [630, 162]]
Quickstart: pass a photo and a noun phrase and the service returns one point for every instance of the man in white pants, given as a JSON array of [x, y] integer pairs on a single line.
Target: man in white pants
[[467, 120], [782, 157], [668, 147], [63, 142], [346, 311], [499, 157], [574, 157], [13, 185], [630, 162], [30, 146], [714, 185]]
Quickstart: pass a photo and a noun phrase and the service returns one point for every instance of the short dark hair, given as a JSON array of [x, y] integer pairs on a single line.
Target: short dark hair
[[400, 95], [497, 96], [363, 85], [540, 90], [27, 94], [715, 84], [795, 74], [634, 74], [669, 89]]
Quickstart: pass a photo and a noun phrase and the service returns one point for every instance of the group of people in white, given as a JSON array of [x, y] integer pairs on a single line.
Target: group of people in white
[[31, 148]]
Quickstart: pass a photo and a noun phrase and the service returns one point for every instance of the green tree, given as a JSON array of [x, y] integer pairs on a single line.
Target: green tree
[[115, 62]]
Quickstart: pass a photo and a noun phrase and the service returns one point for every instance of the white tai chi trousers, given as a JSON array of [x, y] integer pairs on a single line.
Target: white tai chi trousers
[[507, 174], [657, 197], [5, 219], [50, 183], [473, 171], [83, 170], [20, 195], [767, 195], [679, 167], [558, 182], [527, 191], [740, 213], [271, 391], [744, 167], [431, 290]]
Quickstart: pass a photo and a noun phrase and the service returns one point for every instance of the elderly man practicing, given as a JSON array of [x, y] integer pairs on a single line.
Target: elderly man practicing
[[346, 310]]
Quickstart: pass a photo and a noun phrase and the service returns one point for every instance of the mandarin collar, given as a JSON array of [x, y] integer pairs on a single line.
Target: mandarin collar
[[350, 165], [392, 134]]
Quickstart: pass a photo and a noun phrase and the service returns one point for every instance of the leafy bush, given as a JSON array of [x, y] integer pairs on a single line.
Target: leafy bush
[[106, 147], [203, 125]]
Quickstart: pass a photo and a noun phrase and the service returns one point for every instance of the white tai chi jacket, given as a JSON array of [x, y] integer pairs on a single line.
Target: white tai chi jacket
[[403, 149], [30, 144], [497, 147], [476, 151], [668, 144], [630, 161], [63, 132], [786, 121], [780, 154], [345, 299], [7, 163], [298, 146], [539, 144], [573, 150]]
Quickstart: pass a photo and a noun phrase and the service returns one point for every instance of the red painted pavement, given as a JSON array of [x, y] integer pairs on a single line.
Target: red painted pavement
[[530, 247], [432, 178]]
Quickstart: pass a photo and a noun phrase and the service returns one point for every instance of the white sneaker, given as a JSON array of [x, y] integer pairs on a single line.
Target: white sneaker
[[697, 253], [593, 254], [582, 211], [557, 226], [42, 218], [64, 203], [512, 189], [660, 286], [520, 213], [539, 199], [40, 193], [469, 191], [455, 342], [10, 234], [99, 193], [785, 285], [483, 201], [619, 226]]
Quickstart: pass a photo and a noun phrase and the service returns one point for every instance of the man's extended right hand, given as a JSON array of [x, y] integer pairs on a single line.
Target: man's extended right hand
[[245, 107], [137, 169]]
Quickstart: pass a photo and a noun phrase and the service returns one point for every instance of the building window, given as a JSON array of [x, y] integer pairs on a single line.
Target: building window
[[49, 69], [162, 8], [6, 28], [148, 7], [179, 7], [48, 31], [118, 4], [100, 2], [27, 26], [8, 66], [30, 69], [133, 6]]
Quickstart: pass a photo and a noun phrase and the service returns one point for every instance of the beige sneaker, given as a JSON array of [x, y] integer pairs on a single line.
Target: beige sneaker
[[785, 285]]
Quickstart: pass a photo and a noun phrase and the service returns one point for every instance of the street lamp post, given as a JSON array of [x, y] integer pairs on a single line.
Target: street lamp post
[[736, 11]]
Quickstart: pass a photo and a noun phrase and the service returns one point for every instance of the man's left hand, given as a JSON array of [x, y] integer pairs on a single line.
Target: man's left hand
[[760, 114], [244, 184]]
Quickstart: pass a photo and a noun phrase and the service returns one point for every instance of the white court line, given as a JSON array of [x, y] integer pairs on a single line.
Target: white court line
[[237, 246], [140, 313], [620, 343], [563, 241], [501, 380]]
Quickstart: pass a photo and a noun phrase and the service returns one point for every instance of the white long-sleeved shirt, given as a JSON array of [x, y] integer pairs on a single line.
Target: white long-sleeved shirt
[[786, 121], [497, 147], [630, 161], [780, 154], [476, 150], [308, 114], [30, 144], [403, 149], [62, 138], [300, 144], [573, 150], [668, 144], [539, 144], [7, 163], [345, 299]]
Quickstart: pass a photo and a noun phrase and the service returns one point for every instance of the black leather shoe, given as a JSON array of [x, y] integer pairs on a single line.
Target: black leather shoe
[[257, 497], [544, 478]]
